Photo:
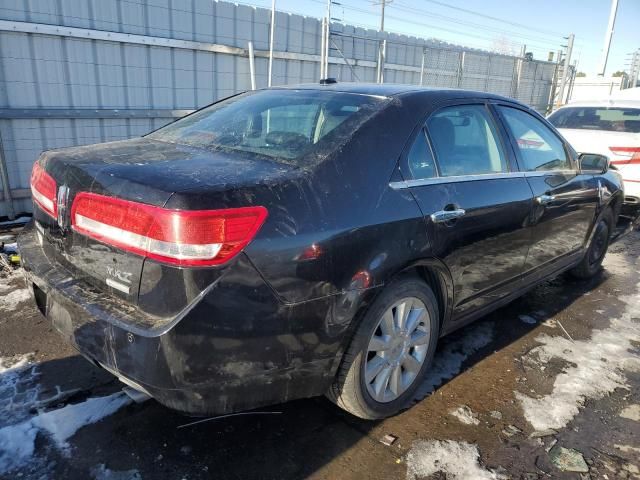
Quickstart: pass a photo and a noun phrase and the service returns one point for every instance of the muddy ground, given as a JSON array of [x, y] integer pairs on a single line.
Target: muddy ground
[[563, 361]]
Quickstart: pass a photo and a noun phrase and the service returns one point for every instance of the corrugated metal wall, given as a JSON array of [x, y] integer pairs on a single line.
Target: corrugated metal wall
[[76, 72]]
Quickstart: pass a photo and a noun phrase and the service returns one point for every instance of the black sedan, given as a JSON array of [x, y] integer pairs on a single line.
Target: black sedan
[[310, 240]]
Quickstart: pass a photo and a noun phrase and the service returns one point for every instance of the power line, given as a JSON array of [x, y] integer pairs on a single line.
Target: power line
[[476, 25], [502, 20], [435, 27]]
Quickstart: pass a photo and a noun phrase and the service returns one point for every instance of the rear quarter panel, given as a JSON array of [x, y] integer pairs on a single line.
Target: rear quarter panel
[[338, 226]]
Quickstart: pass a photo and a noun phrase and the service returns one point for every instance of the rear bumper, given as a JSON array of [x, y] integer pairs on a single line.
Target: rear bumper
[[236, 348]]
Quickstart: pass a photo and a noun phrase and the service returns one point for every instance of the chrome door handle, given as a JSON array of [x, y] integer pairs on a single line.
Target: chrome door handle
[[447, 215], [545, 199]]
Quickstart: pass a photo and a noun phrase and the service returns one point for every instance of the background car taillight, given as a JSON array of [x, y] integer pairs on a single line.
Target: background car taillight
[[630, 155], [43, 190], [178, 237]]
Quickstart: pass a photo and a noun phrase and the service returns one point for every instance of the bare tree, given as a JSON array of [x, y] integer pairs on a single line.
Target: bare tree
[[503, 45]]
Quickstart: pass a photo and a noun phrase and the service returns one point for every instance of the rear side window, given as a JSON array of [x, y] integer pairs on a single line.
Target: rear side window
[[465, 141], [283, 124], [598, 118], [420, 159], [540, 148]]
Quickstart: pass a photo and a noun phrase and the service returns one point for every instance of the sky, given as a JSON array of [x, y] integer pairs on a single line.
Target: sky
[[541, 25]]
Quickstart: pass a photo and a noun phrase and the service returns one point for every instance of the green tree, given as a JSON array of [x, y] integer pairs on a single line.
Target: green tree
[[581, 74], [619, 73]]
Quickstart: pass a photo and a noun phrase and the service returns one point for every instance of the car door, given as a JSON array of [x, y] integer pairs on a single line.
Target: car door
[[474, 203], [565, 200]]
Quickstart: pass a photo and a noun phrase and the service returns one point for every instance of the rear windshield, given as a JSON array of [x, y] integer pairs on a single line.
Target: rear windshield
[[283, 124], [598, 118]]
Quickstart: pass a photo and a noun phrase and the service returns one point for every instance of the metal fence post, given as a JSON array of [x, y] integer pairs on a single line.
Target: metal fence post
[[327, 29], [460, 69], [322, 49], [486, 81], [424, 53], [533, 87], [4, 176], [252, 66], [381, 59], [514, 78], [271, 35]]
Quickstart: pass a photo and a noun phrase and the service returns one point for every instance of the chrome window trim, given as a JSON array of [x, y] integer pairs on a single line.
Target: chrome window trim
[[542, 173], [402, 184]]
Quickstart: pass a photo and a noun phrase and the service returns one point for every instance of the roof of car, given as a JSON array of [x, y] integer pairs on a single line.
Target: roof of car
[[389, 89]]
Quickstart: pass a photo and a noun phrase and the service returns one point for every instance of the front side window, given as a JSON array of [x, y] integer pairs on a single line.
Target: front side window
[[282, 124], [465, 141], [540, 149]]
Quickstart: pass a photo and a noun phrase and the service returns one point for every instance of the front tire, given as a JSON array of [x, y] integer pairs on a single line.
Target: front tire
[[598, 246], [390, 351]]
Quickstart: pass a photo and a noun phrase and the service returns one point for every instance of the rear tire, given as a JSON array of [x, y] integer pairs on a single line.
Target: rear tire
[[598, 245], [397, 337]]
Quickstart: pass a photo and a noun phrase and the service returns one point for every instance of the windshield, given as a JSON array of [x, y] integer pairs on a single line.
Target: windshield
[[598, 118], [283, 124]]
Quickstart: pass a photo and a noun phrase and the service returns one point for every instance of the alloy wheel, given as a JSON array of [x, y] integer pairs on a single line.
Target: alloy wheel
[[397, 349]]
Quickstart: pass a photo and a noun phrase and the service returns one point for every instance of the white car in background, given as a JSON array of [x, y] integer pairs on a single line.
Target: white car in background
[[609, 127]]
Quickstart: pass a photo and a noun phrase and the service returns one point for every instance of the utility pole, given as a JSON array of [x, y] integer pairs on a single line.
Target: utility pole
[[566, 68], [635, 69], [572, 80], [271, 35], [381, 46], [607, 38]]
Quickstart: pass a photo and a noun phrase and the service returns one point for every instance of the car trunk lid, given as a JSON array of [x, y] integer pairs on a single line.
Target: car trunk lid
[[143, 171]]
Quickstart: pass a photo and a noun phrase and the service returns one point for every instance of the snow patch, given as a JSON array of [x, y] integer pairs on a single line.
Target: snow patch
[[12, 296], [632, 412], [457, 460], [17, 442], [627, 448], [599, 365], [450, 358], [9, 247], [19, 390], [465, 415]]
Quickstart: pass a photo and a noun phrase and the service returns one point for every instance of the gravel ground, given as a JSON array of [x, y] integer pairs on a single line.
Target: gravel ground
[[546, 385]]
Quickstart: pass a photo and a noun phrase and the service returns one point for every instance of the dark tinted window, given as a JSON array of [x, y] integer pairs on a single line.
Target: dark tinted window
[[420, 158], [465, 141], [598, 118], [285, 124], [540, 148]]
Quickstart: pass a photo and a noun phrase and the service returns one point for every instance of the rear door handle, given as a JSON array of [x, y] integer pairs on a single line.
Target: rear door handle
[[545, 199], [447, 215]]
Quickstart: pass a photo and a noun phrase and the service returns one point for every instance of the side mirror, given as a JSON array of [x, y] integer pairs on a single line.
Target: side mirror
[[593, 162]]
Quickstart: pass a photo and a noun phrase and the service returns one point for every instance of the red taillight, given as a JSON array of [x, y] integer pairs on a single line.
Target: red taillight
[[178, 237], [43, 190], [631, 155]]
